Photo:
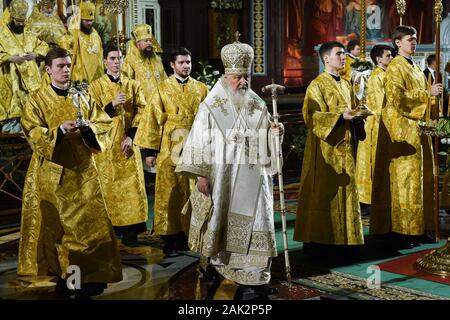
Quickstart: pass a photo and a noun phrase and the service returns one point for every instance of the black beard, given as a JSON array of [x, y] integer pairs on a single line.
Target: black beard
[[146, 53], [86, 30], [15, 28]]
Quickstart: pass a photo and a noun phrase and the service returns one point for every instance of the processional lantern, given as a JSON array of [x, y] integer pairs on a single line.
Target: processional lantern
[[401, 9], [118, 7], [361, 69]]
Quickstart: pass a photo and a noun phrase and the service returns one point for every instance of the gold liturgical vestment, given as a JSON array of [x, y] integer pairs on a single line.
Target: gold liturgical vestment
[[122, 177], [402, 192], [64, 218], [149, 72], [19, 80], [346, 73], [328, 211], [87, 62], [48, 29], [169, 116], [365, 160]]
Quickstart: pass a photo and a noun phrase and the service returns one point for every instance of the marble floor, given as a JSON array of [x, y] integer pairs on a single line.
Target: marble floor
[[148, 274]]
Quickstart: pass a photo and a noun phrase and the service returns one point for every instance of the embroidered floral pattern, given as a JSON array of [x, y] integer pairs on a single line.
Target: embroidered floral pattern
[[220, 103]]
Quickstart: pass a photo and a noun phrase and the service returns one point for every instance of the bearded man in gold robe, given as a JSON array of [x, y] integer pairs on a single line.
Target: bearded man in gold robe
[[19, 50], [328, 211], [169, 116], [143, 61], [85, 44], [45, 23], [381, 55], [228, 152], [120, 167], [64, 219], [403, 193]]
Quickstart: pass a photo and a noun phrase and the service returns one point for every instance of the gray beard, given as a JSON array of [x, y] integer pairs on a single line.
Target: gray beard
[[238, 98]]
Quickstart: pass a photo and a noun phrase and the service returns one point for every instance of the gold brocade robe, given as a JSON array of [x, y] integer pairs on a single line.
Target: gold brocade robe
[[365, 160], [169, 117], [18, 80], [64, 218], [120, 174], [149, 72], [402, 191], [48, 29], [328, 210], [346, 73], [87, 62]]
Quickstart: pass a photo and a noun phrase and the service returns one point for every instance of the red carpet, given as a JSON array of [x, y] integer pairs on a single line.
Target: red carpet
[[406, 266]]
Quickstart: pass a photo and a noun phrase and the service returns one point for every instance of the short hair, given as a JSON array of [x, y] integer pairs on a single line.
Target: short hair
[[431, 58], [181, 51], [55, 53], [352, 44], [326, 48], [401, 31], [378, 51], [110, 46]]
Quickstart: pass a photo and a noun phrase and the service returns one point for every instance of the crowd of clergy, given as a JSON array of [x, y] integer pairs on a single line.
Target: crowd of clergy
[[85, 184]]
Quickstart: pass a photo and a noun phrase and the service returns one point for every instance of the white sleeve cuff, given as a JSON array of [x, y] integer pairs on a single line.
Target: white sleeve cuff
[[63, 130]]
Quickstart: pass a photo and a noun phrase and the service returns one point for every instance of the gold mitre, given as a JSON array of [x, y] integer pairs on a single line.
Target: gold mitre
[[144, 31], [237, 57], [19, 9], [87, 11], [47, 2]]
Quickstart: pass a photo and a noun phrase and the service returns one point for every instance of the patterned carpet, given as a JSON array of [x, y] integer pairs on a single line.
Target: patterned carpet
[[353, 287]]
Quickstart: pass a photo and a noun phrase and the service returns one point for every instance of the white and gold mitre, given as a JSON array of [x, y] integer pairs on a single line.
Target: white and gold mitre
[[237, 57]]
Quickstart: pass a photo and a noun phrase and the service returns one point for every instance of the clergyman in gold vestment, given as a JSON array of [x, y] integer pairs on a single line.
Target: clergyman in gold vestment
[[85, 44], [353, 50], [19, 49], [402, 192], [120, 167], [328, 210], [64, 218], [170, 113], [143, 61], [365, 161], [45, 23]]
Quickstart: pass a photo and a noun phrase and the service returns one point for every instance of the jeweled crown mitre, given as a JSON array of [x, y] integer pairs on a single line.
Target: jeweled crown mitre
[[19, 9], [237, 57]]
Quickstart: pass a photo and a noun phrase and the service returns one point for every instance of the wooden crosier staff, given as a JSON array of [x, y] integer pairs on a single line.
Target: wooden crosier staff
[[273, 89]]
